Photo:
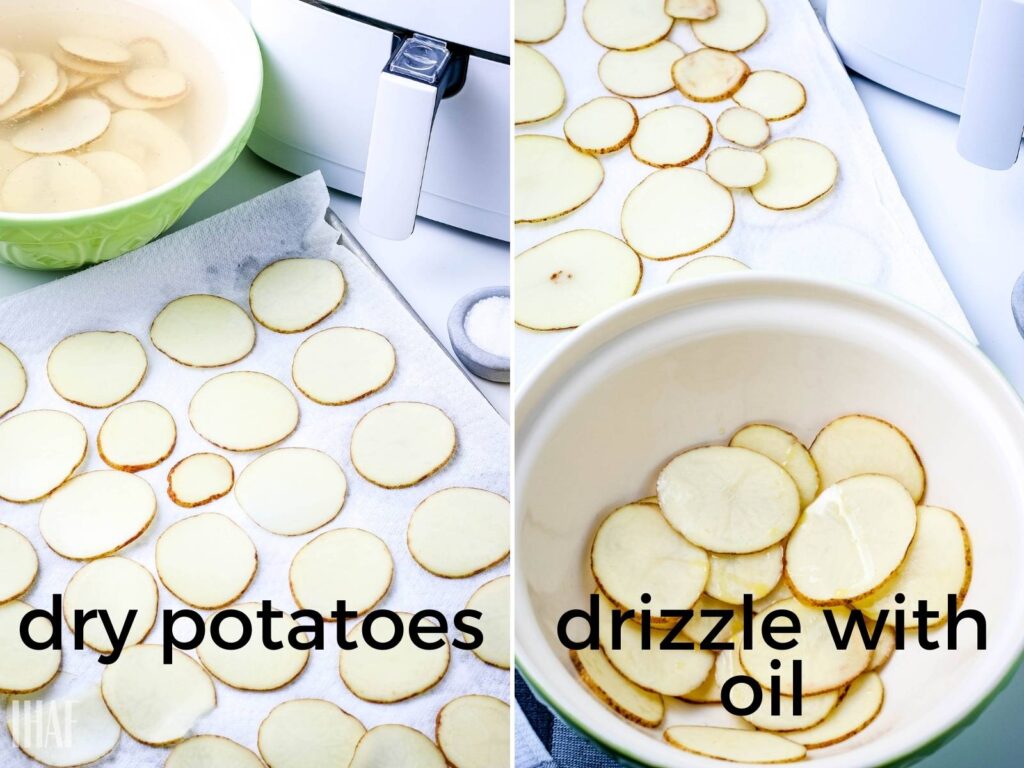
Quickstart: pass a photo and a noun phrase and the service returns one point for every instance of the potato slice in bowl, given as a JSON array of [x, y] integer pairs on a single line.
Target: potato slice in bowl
[[787, 451], [734, 744], [860, 705], [731, 577], [618, 692]]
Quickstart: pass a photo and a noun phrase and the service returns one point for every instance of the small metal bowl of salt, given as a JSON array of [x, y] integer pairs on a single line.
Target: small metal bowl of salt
[[480, 328]]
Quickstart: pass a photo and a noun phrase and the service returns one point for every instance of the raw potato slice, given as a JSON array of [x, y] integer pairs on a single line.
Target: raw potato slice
[[95, 49], [19, 564], [800, 171], [493, 601], [574, 276], [203, 331], [708, 692], [398, 445], [97, 514], [733, 576], [78, 65], [10, 158], [825, 667], [602, 125], [736, 168], [157, 703], [671, 136], [51, 184], [860, 445], [706, 266], [540, 93], [676, 212], [309, 733], [629, 700], [253, 667], [671, 673], [40, 77], [640, 74], [118, 94], [199, 479], [57, 95], [626, 25], [115, 585], [552, 178], [884, 650], [10, 79], [206, 561], [707, 75], [636, 552], [859, 706], [88, 732], [39, 450], [291, 491], [69, 125], [777, 595], [136, 436], [293, 295], [785, 450], [13, 381], [341, 365], [203, 751], [691, 9], [397, 674], [244, 411], [737, 25], [537, 21], [473, 732], [744, 127], [97, 369], [158, 83], [703, 628], [775, 95], [938, 564], [24, 669], [147, 52], [728, 500], [734, 744], [865, 525], [120, 176], [147, 140], [460, 532], [347, 564], [387, 746]]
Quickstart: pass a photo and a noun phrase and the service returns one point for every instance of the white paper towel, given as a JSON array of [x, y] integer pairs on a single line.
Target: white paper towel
[[221, 256], [863, 232]]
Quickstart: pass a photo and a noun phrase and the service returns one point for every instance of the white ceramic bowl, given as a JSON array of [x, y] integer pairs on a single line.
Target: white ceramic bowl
[[690, 365]]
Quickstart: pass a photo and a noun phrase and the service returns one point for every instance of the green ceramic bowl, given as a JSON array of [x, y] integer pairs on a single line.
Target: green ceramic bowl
[[80, 238]]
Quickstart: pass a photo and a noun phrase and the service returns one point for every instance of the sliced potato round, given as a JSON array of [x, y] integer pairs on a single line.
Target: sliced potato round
[[552, 178], [206, 561], [671, 136], [744, 127], [734, 744], [117, 93], [39, 450], [825, 667], [702, 627], [88, 732], [396, 674], [199, 479], [10, 79], [736, 168], [640, 74], [540, 93], [78, 65], [293, 295], [708, 75], [756, 574], [602, 125], [115, 585], [13, 381], [537, 21], [636, 552], [253, 666], [861, 445], [97, 369], [570, 278], [341, 365], [393, 745], [40, 77], [884, 650], [51, 184], [626, 25], [859, 706], [459, 532], [57, 95], [24, 669], [785, 450], [69, 125], [291, 491], [347, 564], [728, 500], [120, 176], [473, 732], [397, 445], [147, 52], [244, 411], [94, 49], [708, 692], [200, 751], [156, 83], [628, 699], [150, 142], [737, 25], [10, 158], [19, 564], [136, 436], [203, 331], [309, 733], [800, 171], [938, 564], [493, 600], [691, 10], [775, 95], [706, 266], [777, 595]]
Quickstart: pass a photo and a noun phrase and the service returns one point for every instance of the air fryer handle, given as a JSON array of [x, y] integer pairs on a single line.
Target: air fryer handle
[[992, 114]]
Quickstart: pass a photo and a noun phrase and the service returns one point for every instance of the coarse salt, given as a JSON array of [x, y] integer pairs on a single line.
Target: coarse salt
[[488, 325]]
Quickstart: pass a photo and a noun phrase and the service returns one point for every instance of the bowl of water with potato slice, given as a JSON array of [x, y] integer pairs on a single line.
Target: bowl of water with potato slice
[[115, 115], [760, 450]]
